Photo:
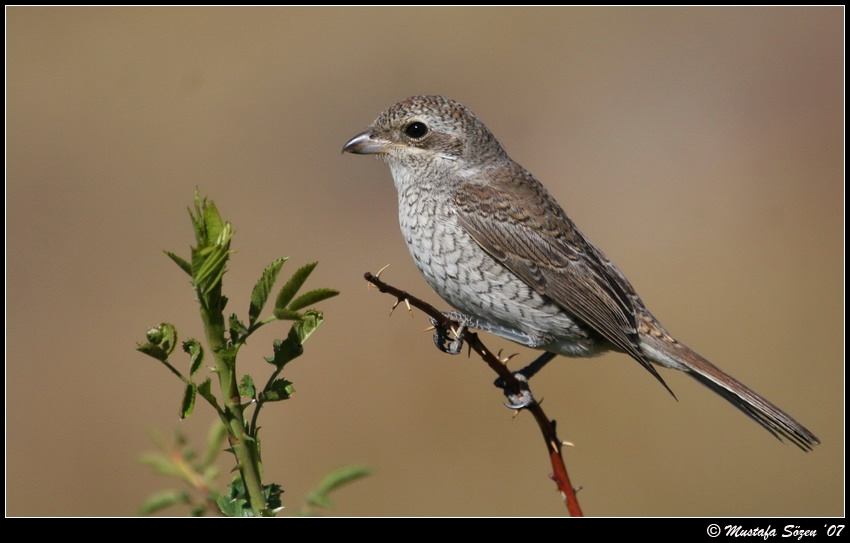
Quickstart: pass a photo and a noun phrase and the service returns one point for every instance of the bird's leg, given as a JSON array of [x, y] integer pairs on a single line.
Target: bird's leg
[[523, 398], [450, 340], [530, 370]]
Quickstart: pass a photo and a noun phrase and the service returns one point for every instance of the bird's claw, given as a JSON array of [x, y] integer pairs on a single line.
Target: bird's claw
[[516, 399], [448, 340], [522, 398]]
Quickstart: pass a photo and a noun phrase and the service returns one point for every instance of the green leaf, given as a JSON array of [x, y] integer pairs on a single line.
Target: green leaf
[[213, 223], [154, 336], [169, 337], [204, 389], [210, 473], [161, 464], [161, 500], [273, 493], [286, 315], [233, 507], [153, 350], [234, 503], [299, 332], [206, 220], [246, 387], [215, 443], [339, 477], [312, 297], [185, 266], [237, 329], [286, 350], [209, 264], [209, 257], [307, 324], [188, 400], [280, 389], [287, 293], [196, 355], [262, 289]]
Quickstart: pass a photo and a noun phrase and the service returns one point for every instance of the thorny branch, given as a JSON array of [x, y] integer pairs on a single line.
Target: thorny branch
[[515, 388]]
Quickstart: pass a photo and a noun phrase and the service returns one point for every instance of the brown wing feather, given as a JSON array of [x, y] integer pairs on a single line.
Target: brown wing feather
[[543, 247]]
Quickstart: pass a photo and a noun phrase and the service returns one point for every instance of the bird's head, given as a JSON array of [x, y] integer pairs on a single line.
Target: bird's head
[[428, 131]]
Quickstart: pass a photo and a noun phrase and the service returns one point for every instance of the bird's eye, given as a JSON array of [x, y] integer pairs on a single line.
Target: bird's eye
[[416, 130]]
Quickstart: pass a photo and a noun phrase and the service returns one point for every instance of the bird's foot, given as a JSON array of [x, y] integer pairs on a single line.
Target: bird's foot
[[450, 340], [519, 399], [522, 398]]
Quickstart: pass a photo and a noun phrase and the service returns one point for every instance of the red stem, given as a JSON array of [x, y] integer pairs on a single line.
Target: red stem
[[547, 427]]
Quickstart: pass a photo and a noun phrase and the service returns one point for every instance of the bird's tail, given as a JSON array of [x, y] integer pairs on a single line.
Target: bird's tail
[[675, 355]]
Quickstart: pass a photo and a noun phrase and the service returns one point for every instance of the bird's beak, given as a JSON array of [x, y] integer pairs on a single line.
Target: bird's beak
[[366, 144]]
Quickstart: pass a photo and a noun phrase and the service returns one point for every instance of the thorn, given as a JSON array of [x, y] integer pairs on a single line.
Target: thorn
[[429, 329], [378, 275], [568, 443], [392, 309], [505, 360], [406, 302]]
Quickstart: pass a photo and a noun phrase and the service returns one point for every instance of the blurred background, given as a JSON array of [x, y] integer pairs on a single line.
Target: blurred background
[[701, 148]]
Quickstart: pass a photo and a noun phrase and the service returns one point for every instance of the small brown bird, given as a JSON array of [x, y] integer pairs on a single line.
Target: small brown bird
[[497, 247]]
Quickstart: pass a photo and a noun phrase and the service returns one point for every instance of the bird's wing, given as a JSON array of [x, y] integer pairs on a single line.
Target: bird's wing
[[539, 243]]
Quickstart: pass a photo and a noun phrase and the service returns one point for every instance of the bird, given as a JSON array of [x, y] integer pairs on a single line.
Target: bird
[[493, 243]]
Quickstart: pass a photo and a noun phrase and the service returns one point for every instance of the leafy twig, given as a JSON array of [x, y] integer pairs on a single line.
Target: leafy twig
[[246, 495]]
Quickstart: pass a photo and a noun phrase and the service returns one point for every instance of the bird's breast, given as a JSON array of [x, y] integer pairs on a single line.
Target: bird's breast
[[471, 280]]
